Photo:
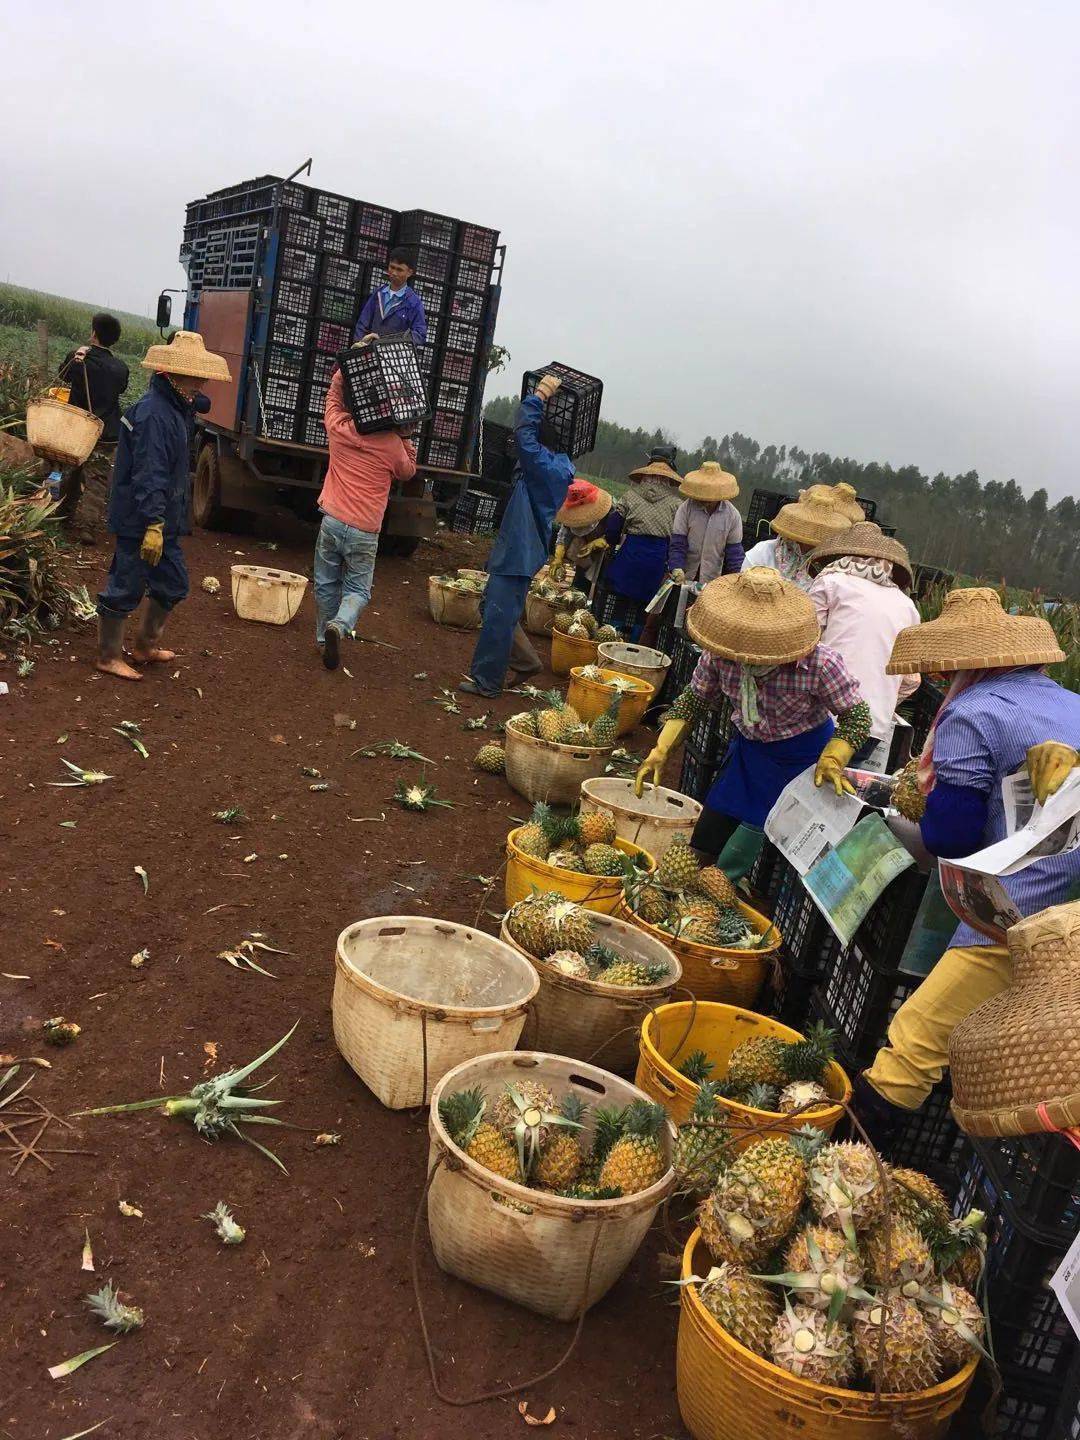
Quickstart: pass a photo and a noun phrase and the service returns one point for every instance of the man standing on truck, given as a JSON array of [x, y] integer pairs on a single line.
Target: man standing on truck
[[353, 501], [521, 546], [96, 380], [395, 308], [148, 503]]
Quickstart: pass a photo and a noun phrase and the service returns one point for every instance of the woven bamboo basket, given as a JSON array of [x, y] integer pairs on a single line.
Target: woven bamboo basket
[[602, 893], [591, 698], [714, 972], [639, 660], [592, 1021], [61, 432], [457, 608], [413, 997], [726, 1392], [570, 650], [541, 1251], [652, 821], [543, 770], [539, 614], [669, 1034], [270, 596]]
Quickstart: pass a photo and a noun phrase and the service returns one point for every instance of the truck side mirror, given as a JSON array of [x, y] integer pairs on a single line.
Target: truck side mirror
[[164, 310]]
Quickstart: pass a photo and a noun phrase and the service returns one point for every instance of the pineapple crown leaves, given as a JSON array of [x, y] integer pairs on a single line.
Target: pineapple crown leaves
[[228, 1231], [609, 1124], [763, 1097], [705, 1099], [697, 1066], [573, 1108], [808, 1058], [418, 796], [112, 1312], [601, 956], [643, 1119], [462, 1113], [807, 1142], [949, 1241], [530, 1118]]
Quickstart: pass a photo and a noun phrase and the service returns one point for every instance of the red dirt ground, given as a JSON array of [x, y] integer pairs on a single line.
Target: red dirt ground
[[308, 1329]]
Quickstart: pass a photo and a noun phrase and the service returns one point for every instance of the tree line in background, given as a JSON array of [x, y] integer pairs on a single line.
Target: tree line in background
[[957, 522]]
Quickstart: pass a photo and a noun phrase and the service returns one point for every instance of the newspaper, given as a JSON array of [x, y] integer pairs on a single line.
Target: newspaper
[[978, 900], [1065, 1283], [847, 881], [1033, 831], [806, 822]]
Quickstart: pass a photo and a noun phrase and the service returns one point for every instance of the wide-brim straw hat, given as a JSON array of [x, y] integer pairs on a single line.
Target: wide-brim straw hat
[[710, 483], [848, 502], [587, 514], [1015, 1059], [756, 618], [973, 632], [658, 469], [865, 541], [187, 355], [816, 515]]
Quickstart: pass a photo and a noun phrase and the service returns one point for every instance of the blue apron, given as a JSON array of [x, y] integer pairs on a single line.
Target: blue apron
[[639, 567], [754, 772]]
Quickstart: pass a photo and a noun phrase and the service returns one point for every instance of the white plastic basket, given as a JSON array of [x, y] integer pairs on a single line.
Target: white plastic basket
[[272, 596]]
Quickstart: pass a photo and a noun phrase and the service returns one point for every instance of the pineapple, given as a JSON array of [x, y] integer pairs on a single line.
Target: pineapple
[[492, 759], [565, 857], [524, 723], [745, 1308], [653, 905], [562, 621], [637, 1160], [598, 957], [697, 1067], [527, 922], [701, 1144], [633, 975], [757, 1200], [527, 1112], [112, 1312], [913, 1192], [906, 796], [822, 1269], [587, 620], [533, 839], [909, 1254], [696, 907], [567, 927], [800, 1094], [605, 727], [577, 631], [561, 1159], [592, 672], [678, 868], [912, 1360], [804, 1342], [716, 885], [463, 1115], [762, 1097], [845, 1188], [59, 1031], [551, 721], [597, 827], [568, 962], [603, 859], [956, 1322], [532, 1094], [606, 633], [769, 1060], [958, 1248]]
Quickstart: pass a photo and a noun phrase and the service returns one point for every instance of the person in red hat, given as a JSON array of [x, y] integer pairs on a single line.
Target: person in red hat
[[581, 519]]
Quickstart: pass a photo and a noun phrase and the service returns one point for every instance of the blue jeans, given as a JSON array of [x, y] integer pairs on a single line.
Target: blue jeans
[[130, 577], [344, 567], [504, 601]]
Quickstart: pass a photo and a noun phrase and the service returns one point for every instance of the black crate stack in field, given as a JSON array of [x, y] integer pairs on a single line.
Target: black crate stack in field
[[331, 254]]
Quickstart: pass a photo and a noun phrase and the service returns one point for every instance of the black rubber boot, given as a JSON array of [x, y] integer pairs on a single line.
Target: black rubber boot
[[881, 1120]]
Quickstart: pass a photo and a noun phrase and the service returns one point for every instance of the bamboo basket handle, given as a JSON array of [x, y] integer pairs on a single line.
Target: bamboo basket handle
[[86, 379]]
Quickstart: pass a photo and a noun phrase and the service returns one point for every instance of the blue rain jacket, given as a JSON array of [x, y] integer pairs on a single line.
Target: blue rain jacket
[[404, 316], [150, 478], [543, 478]]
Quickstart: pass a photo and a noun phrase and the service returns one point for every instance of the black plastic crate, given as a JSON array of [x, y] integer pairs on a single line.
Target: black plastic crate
[[374, 279], [424, 227], [447, 425], [684, 661], [367, 251], [697, 774], [767, 875], [311, 430], [1026, 1412], [431, 263], [431, 292], [885, 932], [321, 367], [445, 455], [291, 196], [477, 242], [1068, 1415], [475, 514], [930, 1139], [610, 608], [458, 365], [336, 240], [466, 305], [1038, 1176], [374, 222], [383, 385], [452, 395], [340, 305], [339, 273], [858, 1000], [924, 705], [330, 337], [280, 394], [303, 232], [573, 412], [315, 396], [294, 264], [460, 336], [287, 361], [811, 945], [294, 298], [472, 274], [428, 356], [279, 424], [286, 329], [334, 209]]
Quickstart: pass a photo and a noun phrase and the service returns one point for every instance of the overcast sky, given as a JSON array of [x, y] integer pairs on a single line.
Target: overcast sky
[[848, 226]]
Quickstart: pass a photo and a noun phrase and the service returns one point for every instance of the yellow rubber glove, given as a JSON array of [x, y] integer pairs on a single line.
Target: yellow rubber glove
[[679, 576], [670, 735], [594, 547], [1049, 766], [153, 543], [830, 766], [555, 568]]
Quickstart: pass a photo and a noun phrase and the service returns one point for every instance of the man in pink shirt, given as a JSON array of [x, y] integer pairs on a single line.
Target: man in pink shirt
[[353, 501], [859, 585]]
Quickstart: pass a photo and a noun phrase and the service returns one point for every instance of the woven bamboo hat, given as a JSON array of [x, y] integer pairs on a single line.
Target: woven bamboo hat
[[848, 502], [585, 506], [659, 469], [818, 514], [973, 632], [187, 355], [866, 541], [710, 483], [1015, 1060], [755, 618]]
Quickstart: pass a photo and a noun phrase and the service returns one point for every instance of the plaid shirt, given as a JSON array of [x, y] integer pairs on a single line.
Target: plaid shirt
[[792, 698]]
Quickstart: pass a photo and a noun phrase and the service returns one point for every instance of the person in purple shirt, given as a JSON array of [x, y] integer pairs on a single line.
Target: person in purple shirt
[[395, 308], [1000, 712]]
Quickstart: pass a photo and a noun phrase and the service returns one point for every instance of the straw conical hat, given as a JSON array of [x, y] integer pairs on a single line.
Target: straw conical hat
[[710, 483], [867, 542], [1015, 1060], [658, 468], [591, 507], [973, 632], [756, 618], [848, 502], [818, 513], [187, 355]]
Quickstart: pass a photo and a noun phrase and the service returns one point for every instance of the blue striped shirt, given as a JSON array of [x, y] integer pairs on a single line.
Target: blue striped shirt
[[983, 736]]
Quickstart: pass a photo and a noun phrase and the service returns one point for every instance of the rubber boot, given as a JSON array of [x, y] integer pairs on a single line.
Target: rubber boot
[[737, 858], [879, 1118], [146, 650], [110, 659]]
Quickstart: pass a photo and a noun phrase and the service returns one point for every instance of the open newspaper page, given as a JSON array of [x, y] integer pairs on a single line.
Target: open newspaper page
[[846, 882], [807, 822]]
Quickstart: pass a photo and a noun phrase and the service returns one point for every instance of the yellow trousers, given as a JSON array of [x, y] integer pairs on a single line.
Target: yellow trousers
[[911, 1064]]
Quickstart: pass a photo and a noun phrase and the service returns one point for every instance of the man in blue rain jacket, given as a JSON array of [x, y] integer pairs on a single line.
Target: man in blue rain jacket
[[148, 502], [521, 546], [395, 308]]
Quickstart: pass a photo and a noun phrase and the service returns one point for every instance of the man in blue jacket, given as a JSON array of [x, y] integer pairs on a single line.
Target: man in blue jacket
[[521, 546], [148, 503], [395, 308]]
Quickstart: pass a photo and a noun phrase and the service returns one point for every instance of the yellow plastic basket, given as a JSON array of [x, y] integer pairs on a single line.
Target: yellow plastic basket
[[670, 1033], [570, 650], [726, 1392], [525, 873], [591, 698], [714, 972]]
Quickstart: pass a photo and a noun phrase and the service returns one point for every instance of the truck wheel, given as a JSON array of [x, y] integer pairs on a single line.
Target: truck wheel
[[206, 501], [400, 545]]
